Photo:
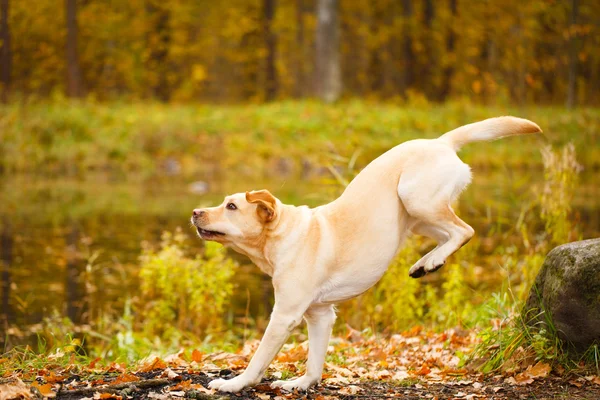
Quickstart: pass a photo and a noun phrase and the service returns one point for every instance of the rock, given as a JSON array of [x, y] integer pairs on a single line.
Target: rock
[[568, 290]]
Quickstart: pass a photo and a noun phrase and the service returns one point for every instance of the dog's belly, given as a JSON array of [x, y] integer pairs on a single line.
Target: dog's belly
[[359, 275]]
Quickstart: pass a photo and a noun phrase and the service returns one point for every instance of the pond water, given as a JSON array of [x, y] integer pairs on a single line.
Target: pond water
[[70, 246]]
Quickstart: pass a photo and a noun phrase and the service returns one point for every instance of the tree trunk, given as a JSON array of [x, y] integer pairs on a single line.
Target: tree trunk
[[329, 75], [74, 86], [407, 52], [449, 71], [271, 46], [300, 56], [158, 41], [430, 61], [572, 86], [5, 55]]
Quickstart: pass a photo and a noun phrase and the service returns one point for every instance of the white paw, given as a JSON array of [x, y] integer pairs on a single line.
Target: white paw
[[433, 264], [301, 383], [425, 265], [232, 385]]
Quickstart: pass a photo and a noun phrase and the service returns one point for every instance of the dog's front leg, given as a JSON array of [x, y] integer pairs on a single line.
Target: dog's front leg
[[283, 321], [320, 319]]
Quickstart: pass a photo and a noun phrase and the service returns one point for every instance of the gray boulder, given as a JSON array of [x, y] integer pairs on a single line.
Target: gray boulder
[[567, 289]]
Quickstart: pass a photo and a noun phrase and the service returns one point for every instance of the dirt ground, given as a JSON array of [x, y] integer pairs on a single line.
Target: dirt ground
[[152, 386]]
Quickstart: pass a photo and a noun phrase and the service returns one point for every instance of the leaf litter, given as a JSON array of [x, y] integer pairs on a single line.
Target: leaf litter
[[415, 364]]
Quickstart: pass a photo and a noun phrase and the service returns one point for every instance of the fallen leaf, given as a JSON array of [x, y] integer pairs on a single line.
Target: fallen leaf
[[152, 363], [169, 373], [593, 378], [176, 359], [126, 378], [183, 385], [539, 370], [350, 389], [353, 335], [424, 370], [576, 383], [204, 390], [296, 354], [196, 356], [14, 390], [263, 396], [53, 378], [45, 390]]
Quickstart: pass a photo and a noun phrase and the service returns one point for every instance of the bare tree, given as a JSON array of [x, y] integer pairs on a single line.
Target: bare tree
[[158, 41], [329, 74], [572, 85], [429, 47], [299, 61], [407, 51], [74, 85], [271, 46], [5, 54]]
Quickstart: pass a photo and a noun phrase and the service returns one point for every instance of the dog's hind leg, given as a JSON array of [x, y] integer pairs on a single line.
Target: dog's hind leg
[[458, 233], [426, 191], [432, 232], [320, 319]]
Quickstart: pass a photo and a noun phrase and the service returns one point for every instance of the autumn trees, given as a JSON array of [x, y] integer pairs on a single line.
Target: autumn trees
[[258, 50]]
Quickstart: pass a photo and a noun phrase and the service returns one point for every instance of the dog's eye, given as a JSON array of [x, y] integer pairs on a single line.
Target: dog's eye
[[231, 206]]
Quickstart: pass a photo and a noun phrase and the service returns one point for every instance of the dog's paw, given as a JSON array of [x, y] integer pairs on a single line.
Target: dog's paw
[[417, 271], [433, 265], [423, 267], [301, 383], [232, 385]]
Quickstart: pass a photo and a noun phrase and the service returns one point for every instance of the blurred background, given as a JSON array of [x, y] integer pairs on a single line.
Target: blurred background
[[119, 117], [542, 51]]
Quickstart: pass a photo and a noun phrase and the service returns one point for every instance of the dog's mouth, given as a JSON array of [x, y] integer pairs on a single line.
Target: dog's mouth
[[206, 234]]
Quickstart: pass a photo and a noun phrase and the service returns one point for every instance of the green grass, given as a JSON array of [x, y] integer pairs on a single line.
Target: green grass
[[68, 136]]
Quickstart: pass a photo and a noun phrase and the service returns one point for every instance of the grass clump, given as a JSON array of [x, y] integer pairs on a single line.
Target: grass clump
[[181, 293]]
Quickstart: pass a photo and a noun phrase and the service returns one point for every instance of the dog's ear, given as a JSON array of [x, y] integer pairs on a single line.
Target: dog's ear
[[265, 202]]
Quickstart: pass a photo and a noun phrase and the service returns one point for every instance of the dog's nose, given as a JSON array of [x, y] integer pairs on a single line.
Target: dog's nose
[[197, 213]]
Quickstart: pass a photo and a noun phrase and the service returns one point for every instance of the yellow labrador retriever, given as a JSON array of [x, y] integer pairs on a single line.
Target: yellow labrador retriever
[[318, 257]]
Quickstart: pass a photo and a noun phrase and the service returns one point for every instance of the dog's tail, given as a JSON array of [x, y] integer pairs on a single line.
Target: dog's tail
[[489, 129]]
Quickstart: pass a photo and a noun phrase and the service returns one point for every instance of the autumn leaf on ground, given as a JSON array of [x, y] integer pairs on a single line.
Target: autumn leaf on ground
[[169, 373], [151, 363], [176, 359], [196, 356], [14, 390], [350, 389], [126, 378], [594, 379], [45, 390], [539, 370], [424, 370], [106, 396], [296, 354]]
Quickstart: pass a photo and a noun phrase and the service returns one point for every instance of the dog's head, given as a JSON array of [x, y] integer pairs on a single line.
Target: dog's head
[[239, 221]]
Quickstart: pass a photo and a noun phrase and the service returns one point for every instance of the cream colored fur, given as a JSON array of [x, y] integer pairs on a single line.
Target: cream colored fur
[[318, 257]]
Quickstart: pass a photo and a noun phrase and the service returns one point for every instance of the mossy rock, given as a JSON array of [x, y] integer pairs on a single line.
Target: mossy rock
[[567, 291]]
